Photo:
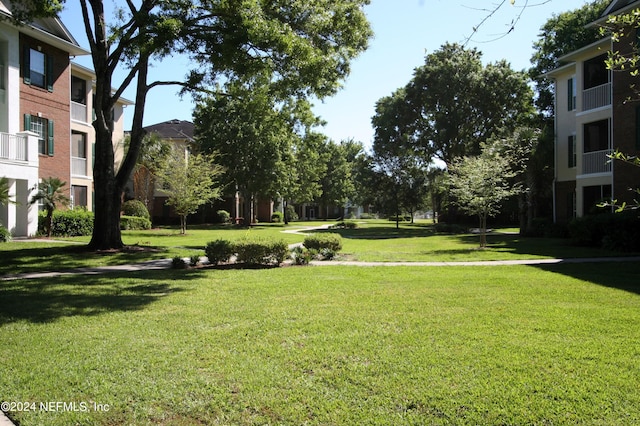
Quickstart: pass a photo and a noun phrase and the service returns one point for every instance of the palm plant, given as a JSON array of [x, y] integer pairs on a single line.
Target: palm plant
[[5, 199], [50, 194]]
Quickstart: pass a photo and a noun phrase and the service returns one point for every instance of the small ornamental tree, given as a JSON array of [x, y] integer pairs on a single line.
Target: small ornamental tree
[[50, 194], [189, 181], [480, 184]]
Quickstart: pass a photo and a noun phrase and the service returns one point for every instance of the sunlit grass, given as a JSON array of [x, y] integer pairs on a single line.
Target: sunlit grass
[[335, 345]]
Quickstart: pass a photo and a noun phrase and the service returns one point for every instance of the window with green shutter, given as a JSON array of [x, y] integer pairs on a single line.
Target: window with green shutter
[[572, 154], [44, 129], [38, 69], [571, 94]]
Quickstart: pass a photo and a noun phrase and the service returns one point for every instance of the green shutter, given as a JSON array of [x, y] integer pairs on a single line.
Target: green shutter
[[48, 59], [570, 94], [50, 138], [27, 123], [571, 153], [26, 62], [93, 155]]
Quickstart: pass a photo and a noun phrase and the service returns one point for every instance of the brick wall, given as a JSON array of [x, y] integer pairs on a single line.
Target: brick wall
[[51, 105]]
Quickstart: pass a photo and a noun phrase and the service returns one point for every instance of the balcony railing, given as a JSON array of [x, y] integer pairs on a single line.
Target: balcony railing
[[13, 147], [78, 166], [596, 97], [596, 162], [78, 112]]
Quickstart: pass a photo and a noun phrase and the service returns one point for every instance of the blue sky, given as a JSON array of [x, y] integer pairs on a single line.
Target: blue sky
[[405, 31]]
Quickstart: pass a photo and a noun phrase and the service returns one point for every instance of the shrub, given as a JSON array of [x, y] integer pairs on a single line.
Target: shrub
[[178, 263], [194, 260], [68, 223], [134, 223], [5, 235], [447, 228], [291, 213], [611, 231], [135, 208], [346, 224], [323, 241], [219, 251], [261, 252], [277, 217], [327, 254], [223, 216], [301, 255]]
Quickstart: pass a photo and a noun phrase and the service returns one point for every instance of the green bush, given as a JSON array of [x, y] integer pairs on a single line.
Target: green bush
[[135, 208], [178, 263], [346, 224], [291, 213], [219, 251], [611, 231], [261, 252], [134, 223], [67, 223], [323, 241], [223, 216], [5, 235], [448, 228], [277, 217], [301, 255]]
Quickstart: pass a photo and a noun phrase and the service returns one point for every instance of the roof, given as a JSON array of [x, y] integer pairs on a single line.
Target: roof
[[619, 5], [49, 30], [173, 129]]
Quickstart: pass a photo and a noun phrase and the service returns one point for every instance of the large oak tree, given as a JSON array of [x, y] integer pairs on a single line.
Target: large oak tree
[[303, 47]]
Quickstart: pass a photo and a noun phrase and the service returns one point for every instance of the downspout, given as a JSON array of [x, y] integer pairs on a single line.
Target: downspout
[[555, 151]]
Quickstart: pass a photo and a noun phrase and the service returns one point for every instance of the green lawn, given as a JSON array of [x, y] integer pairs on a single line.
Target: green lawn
[[377, 241], [337, 345]]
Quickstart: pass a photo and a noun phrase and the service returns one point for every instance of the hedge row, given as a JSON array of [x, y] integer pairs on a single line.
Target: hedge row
[[320, 241], [78, 222], [252, 252], [611, 231]]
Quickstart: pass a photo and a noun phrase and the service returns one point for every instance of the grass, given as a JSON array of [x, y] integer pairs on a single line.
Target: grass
[[374, 241], [336, 345]]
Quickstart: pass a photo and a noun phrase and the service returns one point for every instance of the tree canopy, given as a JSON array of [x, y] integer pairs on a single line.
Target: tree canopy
[[301, 47]]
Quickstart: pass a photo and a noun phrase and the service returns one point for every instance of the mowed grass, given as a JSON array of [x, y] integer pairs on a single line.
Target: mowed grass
[[373, 241], [337, 345]]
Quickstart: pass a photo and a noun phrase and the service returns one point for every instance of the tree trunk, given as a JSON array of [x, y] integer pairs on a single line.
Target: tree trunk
[[483, 231]]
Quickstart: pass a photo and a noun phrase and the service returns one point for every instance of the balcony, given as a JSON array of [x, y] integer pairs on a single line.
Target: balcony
[[13, 147], [78, 112], [596, 162], [596, 97], [78, 166]]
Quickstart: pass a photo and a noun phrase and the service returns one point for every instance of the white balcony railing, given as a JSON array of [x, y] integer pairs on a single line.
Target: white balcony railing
[[78, 166], [596, 97], [596, 162], [78, 112], [13, 147]]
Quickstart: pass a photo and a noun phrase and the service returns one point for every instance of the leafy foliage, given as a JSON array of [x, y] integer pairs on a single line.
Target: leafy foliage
[[50, 194], [135, 208], [66, 223], [321, 241], [219, 251], [189, 180], [5, 199], [261, 252], [132, 223], [5, 235]]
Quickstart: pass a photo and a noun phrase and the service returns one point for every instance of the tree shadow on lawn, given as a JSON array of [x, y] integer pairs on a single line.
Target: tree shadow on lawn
[[61, 258], [47, 300], [557, 248], [618, 275], [380, 232]]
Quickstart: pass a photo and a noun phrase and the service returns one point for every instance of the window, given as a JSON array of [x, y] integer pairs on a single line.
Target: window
[[44, 129], [595, 72], [571, 94], [573, 156], [38, 69], [79, 145], [596, 136], [78, 90], [594, 195], [78, 196]]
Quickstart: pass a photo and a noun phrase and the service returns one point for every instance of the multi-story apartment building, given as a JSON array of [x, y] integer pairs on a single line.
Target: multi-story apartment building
[[592, 120], [45, 116]]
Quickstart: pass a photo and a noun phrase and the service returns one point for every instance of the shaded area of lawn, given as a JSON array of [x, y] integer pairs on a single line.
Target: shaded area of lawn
[[339, 345], [622, 276], [47, 300], [18, 258]]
